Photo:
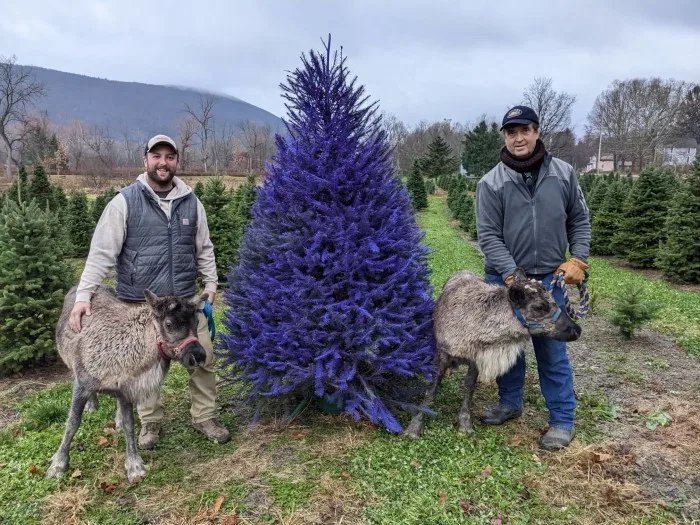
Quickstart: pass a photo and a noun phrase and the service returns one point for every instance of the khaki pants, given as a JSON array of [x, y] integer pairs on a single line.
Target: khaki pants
[[202, 386]]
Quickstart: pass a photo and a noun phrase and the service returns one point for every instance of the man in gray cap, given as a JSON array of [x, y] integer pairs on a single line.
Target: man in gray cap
[[155, 232], [529, 210]]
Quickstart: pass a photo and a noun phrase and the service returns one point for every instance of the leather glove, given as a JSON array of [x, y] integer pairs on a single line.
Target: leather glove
[[573, 270], [517, 275]]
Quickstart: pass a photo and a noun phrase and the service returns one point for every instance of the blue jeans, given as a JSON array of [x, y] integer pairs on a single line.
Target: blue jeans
[[556, 376]]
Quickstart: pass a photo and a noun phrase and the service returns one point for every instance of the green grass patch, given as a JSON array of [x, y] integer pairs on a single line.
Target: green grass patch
[[679, 316]]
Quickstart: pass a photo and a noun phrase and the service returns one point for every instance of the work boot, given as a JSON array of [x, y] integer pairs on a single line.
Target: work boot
[[556, 438], [498, 414], [149, 435], [213, 430]]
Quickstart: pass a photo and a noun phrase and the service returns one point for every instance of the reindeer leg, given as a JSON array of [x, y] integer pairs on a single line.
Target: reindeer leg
[[465, 413], [60, 460], [415, 428], [135, 468], [92, 404]]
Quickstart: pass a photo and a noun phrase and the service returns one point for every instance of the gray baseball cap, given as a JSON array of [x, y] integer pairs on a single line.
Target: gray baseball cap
[[160, 139]]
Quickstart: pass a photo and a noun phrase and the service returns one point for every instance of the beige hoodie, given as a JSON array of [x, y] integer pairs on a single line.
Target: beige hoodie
[[110, 235]]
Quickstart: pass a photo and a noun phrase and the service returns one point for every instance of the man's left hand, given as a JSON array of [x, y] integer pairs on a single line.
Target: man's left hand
[[212, 296], [573, 271]]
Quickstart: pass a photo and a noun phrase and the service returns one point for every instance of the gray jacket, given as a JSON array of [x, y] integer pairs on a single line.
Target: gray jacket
[[516, 229]]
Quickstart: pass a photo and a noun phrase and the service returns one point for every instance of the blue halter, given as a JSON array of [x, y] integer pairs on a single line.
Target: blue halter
[[535, 325]]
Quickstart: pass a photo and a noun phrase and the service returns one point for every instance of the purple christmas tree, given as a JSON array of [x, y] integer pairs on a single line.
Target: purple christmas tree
[[331, 296]]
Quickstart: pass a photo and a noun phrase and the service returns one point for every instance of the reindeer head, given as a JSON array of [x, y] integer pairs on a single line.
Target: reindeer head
[[177, 319], [539, 313]]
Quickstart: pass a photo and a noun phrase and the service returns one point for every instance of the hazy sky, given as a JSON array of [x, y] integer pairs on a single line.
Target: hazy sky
[[422, 60]]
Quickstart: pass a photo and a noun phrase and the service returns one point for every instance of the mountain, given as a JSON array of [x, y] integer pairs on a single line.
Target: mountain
[[133, 106]]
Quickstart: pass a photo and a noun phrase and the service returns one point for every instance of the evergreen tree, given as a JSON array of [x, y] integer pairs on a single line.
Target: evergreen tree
[[631, 309], [40, 188], [642, 228], [416, 188], [19, 189], [33, 282], [100, 203], [332, 297], [243, 200], [216, 200], [467, 214], [199, 189], [608, 219], [482, 149], [597, 196], [439, 159], [679, 258], [80, 225], [430, 186]]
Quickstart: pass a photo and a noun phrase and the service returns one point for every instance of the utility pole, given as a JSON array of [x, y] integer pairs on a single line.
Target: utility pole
[[600, 144]]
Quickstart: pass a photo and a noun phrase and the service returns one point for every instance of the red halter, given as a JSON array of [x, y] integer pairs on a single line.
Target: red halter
[[175, 350]]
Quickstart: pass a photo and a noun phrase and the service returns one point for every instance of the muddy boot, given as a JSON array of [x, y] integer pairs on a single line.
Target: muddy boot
[[498, 414], [556, 438], [149, 435], [213, 430]]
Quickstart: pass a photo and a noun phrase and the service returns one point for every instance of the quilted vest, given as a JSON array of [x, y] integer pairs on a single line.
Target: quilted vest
[[158, 254]]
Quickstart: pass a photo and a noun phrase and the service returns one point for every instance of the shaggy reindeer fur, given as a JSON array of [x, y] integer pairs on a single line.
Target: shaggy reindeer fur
[[116, 352], [475, 325]]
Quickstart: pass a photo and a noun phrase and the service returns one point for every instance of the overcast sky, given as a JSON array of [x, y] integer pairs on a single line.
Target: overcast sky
[[421, 59]]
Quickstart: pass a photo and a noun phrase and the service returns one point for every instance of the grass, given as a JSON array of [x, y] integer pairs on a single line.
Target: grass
[[679, 316], [321, 469]]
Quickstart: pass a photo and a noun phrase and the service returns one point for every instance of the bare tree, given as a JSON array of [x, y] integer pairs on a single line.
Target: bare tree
[[554, 111], [396, 133], [187, 131], [99, 141], [71, 136], [258, 140], [18, 89], [203, 114], [634, 117], [689, 118]]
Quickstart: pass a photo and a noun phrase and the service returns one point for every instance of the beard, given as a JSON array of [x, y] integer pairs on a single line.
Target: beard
[[153, 175]]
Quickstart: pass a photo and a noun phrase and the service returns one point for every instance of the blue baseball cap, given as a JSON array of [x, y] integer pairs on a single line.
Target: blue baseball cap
[[520, 115]]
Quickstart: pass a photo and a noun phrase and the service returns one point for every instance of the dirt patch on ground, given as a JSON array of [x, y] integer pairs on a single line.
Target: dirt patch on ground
[[649, 380], [15, 387]]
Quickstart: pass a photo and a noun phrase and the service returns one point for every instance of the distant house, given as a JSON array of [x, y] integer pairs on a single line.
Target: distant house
[[680, 152], [607, 164]]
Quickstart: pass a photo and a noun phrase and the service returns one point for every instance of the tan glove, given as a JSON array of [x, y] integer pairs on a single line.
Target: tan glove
[[573, 271]]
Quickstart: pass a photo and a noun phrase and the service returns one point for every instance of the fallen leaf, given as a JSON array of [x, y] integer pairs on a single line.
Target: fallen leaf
[[486, 472], [525, 494], [102, 441], [33, 470], [115, 440], [109, 430], [536, 458], [497, 521], [108, 487], [230, 520], [217, 504], [599, 457], [345, 475], [76, 473], [515, 441], [112, 424], [465, 506], [442, 498], [414, 464], [298, 435]]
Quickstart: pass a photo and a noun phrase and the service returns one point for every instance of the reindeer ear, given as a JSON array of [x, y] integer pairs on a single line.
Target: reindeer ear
[[517, 295], [151, 298]]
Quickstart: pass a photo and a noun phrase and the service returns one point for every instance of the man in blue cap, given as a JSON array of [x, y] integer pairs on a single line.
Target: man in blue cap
[[529, 210]]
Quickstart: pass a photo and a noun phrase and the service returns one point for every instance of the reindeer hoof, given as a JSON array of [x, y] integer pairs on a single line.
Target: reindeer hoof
[[135, 469], [57, 468], [466, 428], [414, 430]]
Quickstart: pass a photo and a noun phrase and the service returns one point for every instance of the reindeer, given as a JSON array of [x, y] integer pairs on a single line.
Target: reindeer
[[124, 349], [487, 327]]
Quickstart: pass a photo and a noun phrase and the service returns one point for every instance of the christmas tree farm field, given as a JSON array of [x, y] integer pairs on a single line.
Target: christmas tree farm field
[[321, 468]]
